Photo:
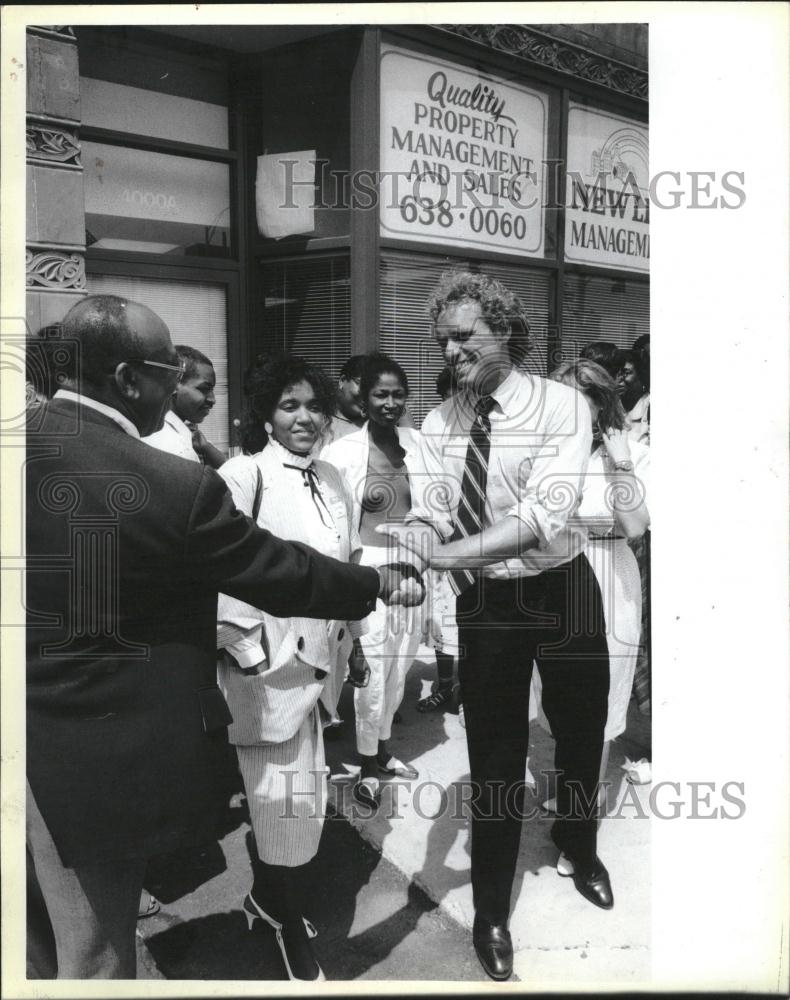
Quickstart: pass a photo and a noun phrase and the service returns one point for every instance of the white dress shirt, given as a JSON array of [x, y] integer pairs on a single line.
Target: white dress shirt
[[541, 436], [174, 437]]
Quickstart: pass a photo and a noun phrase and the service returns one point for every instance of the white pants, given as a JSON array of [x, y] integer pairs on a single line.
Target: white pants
[[393, 637]]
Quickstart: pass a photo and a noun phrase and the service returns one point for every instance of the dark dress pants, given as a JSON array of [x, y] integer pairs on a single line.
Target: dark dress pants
[[555, 619]]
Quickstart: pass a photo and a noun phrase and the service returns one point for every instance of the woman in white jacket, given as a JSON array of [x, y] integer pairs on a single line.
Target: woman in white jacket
[[282, 677], [380, 465]]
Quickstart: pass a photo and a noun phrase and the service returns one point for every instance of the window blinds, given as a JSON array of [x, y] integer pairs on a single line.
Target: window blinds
[[594, 308], [196, 314], [307, 305]]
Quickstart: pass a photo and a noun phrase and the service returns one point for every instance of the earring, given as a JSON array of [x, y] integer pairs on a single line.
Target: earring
[[268, 427]]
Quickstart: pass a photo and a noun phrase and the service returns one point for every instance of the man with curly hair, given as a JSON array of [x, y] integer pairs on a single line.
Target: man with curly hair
[[505, 457]]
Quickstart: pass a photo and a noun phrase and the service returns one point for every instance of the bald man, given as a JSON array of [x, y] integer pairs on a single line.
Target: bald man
[[127, 549]]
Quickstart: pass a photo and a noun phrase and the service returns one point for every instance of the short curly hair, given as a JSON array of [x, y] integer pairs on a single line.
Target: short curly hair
[[265, 382], [191, 358], [595, 382], [501, 309], [375, 365]]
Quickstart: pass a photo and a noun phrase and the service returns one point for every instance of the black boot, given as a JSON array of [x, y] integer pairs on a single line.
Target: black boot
[[276, 899]]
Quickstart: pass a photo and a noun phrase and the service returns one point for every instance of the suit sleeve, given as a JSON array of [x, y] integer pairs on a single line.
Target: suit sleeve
[[286, 579]]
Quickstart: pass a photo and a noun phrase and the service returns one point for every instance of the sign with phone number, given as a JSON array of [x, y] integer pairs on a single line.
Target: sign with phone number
[[462, 156]]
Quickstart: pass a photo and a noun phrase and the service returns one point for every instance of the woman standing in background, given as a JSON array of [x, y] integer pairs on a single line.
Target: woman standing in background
[[379, 462], [614, 510]]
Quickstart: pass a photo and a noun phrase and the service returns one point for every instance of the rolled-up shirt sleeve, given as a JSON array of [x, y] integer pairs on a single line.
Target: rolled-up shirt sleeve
[[553, 488], [240, 630], [247, 651]]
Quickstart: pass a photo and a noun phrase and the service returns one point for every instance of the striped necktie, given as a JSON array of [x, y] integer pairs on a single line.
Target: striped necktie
[[471, 507]]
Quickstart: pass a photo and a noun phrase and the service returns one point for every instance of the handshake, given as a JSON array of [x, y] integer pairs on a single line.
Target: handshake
[[401, 578]]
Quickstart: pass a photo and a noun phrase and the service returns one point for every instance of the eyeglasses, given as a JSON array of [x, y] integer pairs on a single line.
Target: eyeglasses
[[179, 368]]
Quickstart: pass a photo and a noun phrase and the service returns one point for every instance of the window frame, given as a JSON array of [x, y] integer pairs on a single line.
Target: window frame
[[229, 271], [110, 263]]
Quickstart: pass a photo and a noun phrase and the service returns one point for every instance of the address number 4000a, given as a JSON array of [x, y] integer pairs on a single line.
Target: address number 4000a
[[148, 199]]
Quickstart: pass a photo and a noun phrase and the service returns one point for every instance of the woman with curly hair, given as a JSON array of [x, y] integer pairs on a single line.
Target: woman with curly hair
[[282, 677], [614, 510]]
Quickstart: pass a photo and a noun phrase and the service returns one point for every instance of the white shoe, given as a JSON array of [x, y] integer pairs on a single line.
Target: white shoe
[[252, 912]]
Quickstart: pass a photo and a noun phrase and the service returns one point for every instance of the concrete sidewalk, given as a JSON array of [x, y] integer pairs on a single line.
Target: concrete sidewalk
[[561, 940], [373, 923], [392, 899]]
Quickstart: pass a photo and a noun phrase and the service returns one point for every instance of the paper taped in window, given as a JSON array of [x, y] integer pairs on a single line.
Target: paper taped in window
[[285, 194]]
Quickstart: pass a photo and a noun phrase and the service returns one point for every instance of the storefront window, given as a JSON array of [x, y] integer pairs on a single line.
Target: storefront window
[[154, 202], [196, 314], [144, 108], [147, 112], [307, 310], [304, 106], [613, 309]]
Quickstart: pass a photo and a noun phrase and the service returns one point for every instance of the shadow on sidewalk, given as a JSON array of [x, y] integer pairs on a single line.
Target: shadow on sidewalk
[[218, 946]]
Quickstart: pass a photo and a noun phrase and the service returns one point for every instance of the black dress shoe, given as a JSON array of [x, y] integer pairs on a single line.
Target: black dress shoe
[[591, 880], [494, 948]]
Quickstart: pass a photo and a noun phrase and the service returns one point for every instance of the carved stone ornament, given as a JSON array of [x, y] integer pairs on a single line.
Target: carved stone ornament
[[54, 269], [565, 57], [52, 144]]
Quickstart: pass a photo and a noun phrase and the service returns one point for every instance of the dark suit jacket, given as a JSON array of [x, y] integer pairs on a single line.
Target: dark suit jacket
[[127, 548]]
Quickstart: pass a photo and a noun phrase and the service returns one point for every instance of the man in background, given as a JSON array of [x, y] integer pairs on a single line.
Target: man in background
[[350, 414], [191, 403]]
